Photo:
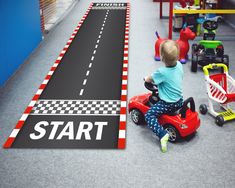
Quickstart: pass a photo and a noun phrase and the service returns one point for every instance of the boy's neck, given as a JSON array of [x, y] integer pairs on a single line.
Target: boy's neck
[[171, 66]]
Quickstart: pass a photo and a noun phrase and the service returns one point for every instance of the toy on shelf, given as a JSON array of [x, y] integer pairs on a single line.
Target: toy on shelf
[[190, 4], [193, 21], [213, 17], [184, 122], [184, 4], [208, 50], [181, 19], [197, 2], [212, 4], [220, 89], [185, 35]]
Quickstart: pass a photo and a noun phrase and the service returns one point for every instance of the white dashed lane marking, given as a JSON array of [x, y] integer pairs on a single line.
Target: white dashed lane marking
[[94, 52], [84, 81], [81, 92]]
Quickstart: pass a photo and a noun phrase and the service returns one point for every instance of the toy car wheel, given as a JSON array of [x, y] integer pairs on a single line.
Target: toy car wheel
[[203, 109], [220, 51], [194, 58], [137, 117], [226, 60], [219, 19], [194, 64], [173, 133], [219, 120]]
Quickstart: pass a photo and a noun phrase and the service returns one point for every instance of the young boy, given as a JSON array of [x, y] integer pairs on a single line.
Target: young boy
[[169, 80]]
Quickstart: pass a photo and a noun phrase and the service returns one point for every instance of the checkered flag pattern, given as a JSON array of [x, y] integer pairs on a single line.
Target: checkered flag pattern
[[77, 107]]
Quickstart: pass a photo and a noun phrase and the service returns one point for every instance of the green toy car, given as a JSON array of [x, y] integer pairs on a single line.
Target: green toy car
[[208, 50]]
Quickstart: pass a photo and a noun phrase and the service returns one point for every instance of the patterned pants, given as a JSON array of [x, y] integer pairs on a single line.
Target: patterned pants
[[161, 107]]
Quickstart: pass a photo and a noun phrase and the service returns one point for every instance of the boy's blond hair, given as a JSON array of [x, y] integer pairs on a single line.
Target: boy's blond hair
[[169, 51]]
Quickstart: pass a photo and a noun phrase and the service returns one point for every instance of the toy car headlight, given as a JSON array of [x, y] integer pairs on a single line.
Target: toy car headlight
[[183, 126]]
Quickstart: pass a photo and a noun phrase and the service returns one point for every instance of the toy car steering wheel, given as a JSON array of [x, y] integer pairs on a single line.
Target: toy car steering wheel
[[151, 86], [210, 25]]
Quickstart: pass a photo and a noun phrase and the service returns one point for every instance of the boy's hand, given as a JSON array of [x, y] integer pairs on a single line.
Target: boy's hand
[[148, 79]]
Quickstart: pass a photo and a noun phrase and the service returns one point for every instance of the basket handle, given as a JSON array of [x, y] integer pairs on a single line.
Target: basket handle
[[214, 66]]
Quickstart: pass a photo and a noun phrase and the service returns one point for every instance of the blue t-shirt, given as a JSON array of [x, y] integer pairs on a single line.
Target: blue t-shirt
[[169, 81]]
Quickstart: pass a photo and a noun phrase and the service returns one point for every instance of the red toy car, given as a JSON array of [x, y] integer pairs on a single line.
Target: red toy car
[[184, 122]]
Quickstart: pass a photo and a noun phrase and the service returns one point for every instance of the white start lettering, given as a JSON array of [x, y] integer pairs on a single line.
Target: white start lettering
[[68, 131]]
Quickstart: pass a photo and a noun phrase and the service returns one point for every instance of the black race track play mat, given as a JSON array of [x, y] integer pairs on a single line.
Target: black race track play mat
[[82, 101]]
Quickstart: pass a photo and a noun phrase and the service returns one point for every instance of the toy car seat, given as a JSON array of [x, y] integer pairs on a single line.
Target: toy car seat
[[182, 110], [210, 45]]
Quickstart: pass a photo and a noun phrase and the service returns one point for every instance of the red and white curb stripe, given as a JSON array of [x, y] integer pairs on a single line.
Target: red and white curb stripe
[[26, 113], [122, 122]]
